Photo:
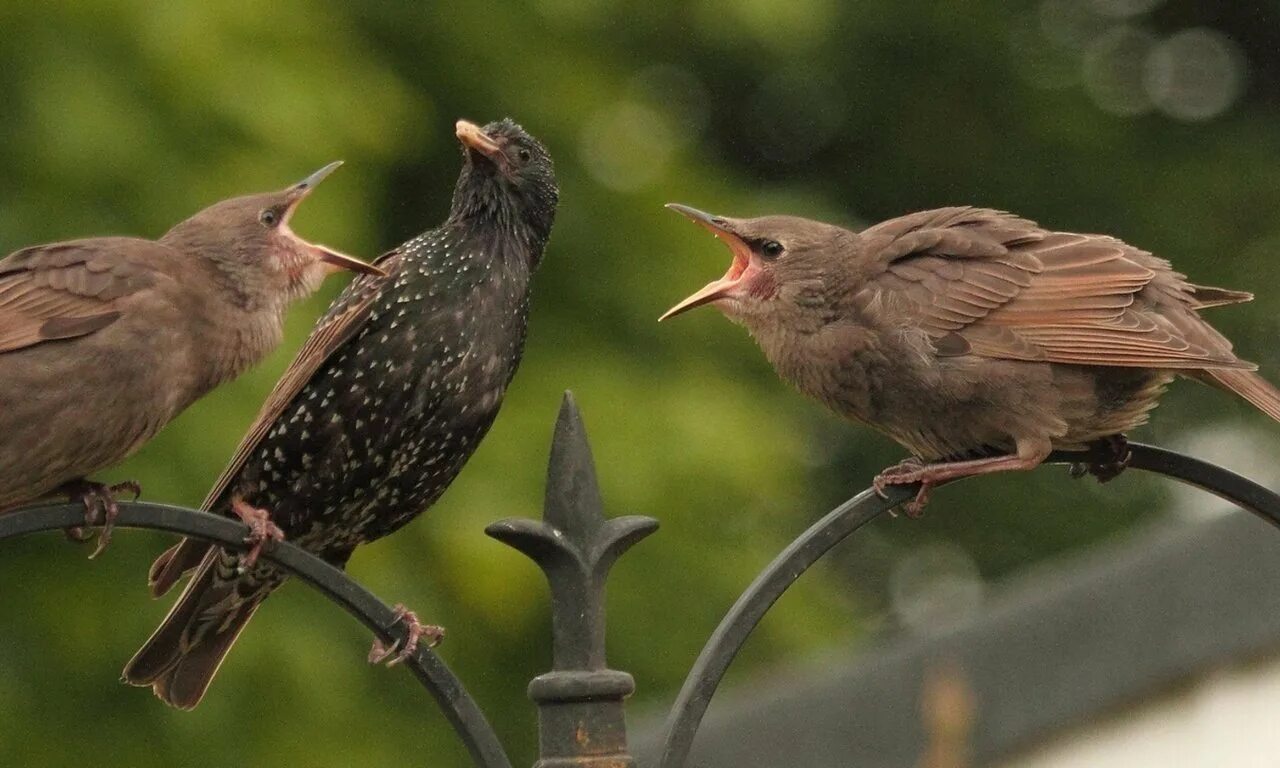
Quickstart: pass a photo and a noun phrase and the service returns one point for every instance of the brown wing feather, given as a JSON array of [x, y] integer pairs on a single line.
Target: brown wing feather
[[71, 289], [1009, 289]]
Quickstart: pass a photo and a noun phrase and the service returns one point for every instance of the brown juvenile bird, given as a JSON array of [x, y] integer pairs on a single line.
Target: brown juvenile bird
[[976, 339], [103, 341]]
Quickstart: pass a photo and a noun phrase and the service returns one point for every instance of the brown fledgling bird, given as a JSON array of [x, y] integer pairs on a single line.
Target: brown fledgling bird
[[104, 340], [975, 338]]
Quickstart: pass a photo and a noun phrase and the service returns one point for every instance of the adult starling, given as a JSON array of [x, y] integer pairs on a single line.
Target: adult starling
[[976, 339], [379, 412], [103, 341]]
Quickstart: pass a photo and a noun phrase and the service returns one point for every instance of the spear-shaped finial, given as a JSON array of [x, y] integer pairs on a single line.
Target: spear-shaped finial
[[580, 701]]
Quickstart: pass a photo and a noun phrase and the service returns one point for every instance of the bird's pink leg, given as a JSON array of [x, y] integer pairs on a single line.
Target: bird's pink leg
[[100, 508], [262, 531], [1029, 456], [417, 631]]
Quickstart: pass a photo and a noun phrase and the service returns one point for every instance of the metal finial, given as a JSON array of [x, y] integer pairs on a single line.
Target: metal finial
[[581, 719]]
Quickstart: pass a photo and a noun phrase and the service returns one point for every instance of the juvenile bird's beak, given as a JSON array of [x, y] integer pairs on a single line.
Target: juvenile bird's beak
[[336, 261], [309, 183], [732, 281], [298, 192], [476, 140]]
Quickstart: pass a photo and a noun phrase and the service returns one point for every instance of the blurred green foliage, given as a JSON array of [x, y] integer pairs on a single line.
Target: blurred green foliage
[[123, 116]]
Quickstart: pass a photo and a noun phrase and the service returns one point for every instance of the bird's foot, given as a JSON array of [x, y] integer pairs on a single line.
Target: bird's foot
[[100, 509], [262, 532], [415, 633], [906, 472], [1116, 456]]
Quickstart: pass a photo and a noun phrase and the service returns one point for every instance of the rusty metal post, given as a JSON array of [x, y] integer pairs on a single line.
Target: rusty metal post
[[580, 711]]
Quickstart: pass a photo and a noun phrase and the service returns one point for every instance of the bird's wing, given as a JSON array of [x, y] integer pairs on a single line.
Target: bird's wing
[[345, 317], [70, 289], [340, 323], [986, 283]]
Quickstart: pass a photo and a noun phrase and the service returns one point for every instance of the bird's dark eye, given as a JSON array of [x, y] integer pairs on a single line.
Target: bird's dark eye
[[525, 155], [268, 217], [771, 249]]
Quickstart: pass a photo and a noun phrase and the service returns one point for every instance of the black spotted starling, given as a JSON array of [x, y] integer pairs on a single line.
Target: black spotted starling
[[378, 413]]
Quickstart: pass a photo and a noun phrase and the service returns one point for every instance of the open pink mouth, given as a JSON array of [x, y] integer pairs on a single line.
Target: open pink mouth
[[740, 261], [726, 287]]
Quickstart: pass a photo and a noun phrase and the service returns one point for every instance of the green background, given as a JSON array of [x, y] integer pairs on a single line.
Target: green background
[[124, 117]]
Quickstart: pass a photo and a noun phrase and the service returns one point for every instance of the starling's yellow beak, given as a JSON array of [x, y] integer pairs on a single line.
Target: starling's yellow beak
[[726, 286], [474, 138]]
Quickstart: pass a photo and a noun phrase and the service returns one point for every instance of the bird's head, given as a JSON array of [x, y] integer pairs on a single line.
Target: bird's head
[[782, 265], [249, 241], [507, 181]]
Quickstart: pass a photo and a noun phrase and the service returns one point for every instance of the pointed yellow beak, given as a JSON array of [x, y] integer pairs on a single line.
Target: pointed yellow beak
[[474, 138]]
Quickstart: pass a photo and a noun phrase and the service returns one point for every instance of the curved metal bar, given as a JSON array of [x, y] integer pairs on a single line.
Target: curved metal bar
[[729, 637], [1222, 483], [459, 708]]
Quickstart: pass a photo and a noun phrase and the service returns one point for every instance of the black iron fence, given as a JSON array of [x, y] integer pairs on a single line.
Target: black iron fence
[[580, 701]]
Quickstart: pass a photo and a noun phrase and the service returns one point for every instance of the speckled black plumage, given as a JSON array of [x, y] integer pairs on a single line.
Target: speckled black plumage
[[391, 395]]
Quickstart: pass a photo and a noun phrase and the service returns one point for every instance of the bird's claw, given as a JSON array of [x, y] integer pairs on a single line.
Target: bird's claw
[[100, 510], [415, 633], [906, 472], [263, 532], [1116, 458], [128, 485], [901, 473], [1117, 446]]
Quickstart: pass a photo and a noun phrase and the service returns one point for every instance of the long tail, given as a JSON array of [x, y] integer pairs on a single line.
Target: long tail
[[186, 555], [183, 655], [1251, 387]]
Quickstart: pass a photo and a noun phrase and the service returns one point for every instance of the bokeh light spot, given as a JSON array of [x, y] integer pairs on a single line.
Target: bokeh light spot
[[1195, 75]]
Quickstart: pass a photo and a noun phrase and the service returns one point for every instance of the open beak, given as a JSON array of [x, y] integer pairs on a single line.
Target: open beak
[[726, 286], [476, 140], [298, 192], [334, 261]]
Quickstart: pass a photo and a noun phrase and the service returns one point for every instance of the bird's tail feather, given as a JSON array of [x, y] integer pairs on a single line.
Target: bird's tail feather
[[183, 655], [1251, 387], [182, 557], [1206, 296]]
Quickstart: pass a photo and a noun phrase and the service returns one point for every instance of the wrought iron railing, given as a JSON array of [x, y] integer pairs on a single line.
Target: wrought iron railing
[[580, 701]]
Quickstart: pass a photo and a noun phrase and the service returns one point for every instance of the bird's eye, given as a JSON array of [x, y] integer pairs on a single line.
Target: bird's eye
[[772, 249], [525, 155], [268, 217]]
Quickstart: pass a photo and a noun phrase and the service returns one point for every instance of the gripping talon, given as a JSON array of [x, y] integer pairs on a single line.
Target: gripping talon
[[263, 532], [415, 633], [100, 509], [110, 511], [128, 485], [906, 472], [1117, 459], [914, 508]]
